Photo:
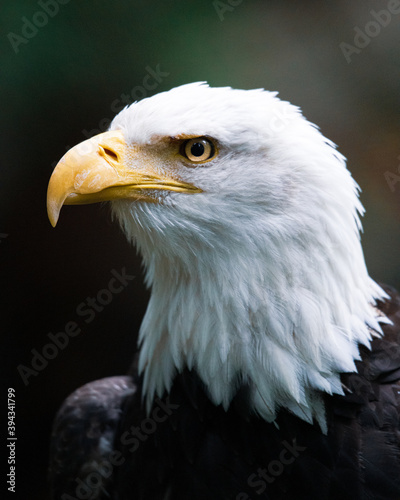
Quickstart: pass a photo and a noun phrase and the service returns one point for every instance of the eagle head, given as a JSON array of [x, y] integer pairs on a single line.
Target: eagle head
[[248, 223]]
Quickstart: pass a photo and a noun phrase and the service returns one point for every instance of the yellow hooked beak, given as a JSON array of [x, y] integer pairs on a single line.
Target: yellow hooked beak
[[96, 170]]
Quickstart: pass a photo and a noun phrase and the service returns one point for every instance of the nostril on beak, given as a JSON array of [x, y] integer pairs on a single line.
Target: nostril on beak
[[106, 152]]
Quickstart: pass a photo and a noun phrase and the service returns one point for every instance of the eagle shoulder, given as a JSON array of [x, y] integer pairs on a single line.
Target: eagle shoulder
[[83, 436]]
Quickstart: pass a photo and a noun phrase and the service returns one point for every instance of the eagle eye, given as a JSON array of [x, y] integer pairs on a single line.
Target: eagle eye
[[198, 149]]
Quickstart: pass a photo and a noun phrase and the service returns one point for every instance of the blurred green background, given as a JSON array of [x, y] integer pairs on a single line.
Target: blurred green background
[[61, 84]]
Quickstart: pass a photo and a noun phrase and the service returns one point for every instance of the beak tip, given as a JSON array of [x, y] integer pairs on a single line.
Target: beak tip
[[53, 214]]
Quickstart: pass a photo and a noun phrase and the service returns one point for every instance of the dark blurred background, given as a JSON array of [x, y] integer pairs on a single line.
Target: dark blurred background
[[62, 77]]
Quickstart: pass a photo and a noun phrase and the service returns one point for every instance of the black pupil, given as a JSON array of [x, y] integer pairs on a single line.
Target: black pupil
[[197, 149]]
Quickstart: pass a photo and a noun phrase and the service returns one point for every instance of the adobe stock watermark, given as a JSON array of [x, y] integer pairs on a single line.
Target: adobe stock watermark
[[222, 7], [88, 309], [267, 475], [30, 27], [280, 119], [151, 80], [131, 439], [371, 30], [392, 179]]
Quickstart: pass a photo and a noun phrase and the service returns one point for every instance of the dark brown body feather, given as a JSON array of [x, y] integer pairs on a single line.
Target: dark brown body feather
[[187, 448]]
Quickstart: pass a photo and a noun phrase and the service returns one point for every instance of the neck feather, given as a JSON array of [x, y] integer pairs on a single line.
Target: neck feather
[[268, 312]]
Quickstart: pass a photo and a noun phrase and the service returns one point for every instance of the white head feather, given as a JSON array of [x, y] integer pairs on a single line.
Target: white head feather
[[261, 277]]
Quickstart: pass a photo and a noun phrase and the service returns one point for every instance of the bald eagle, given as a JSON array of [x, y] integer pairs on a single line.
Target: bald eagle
[[269, 360]]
